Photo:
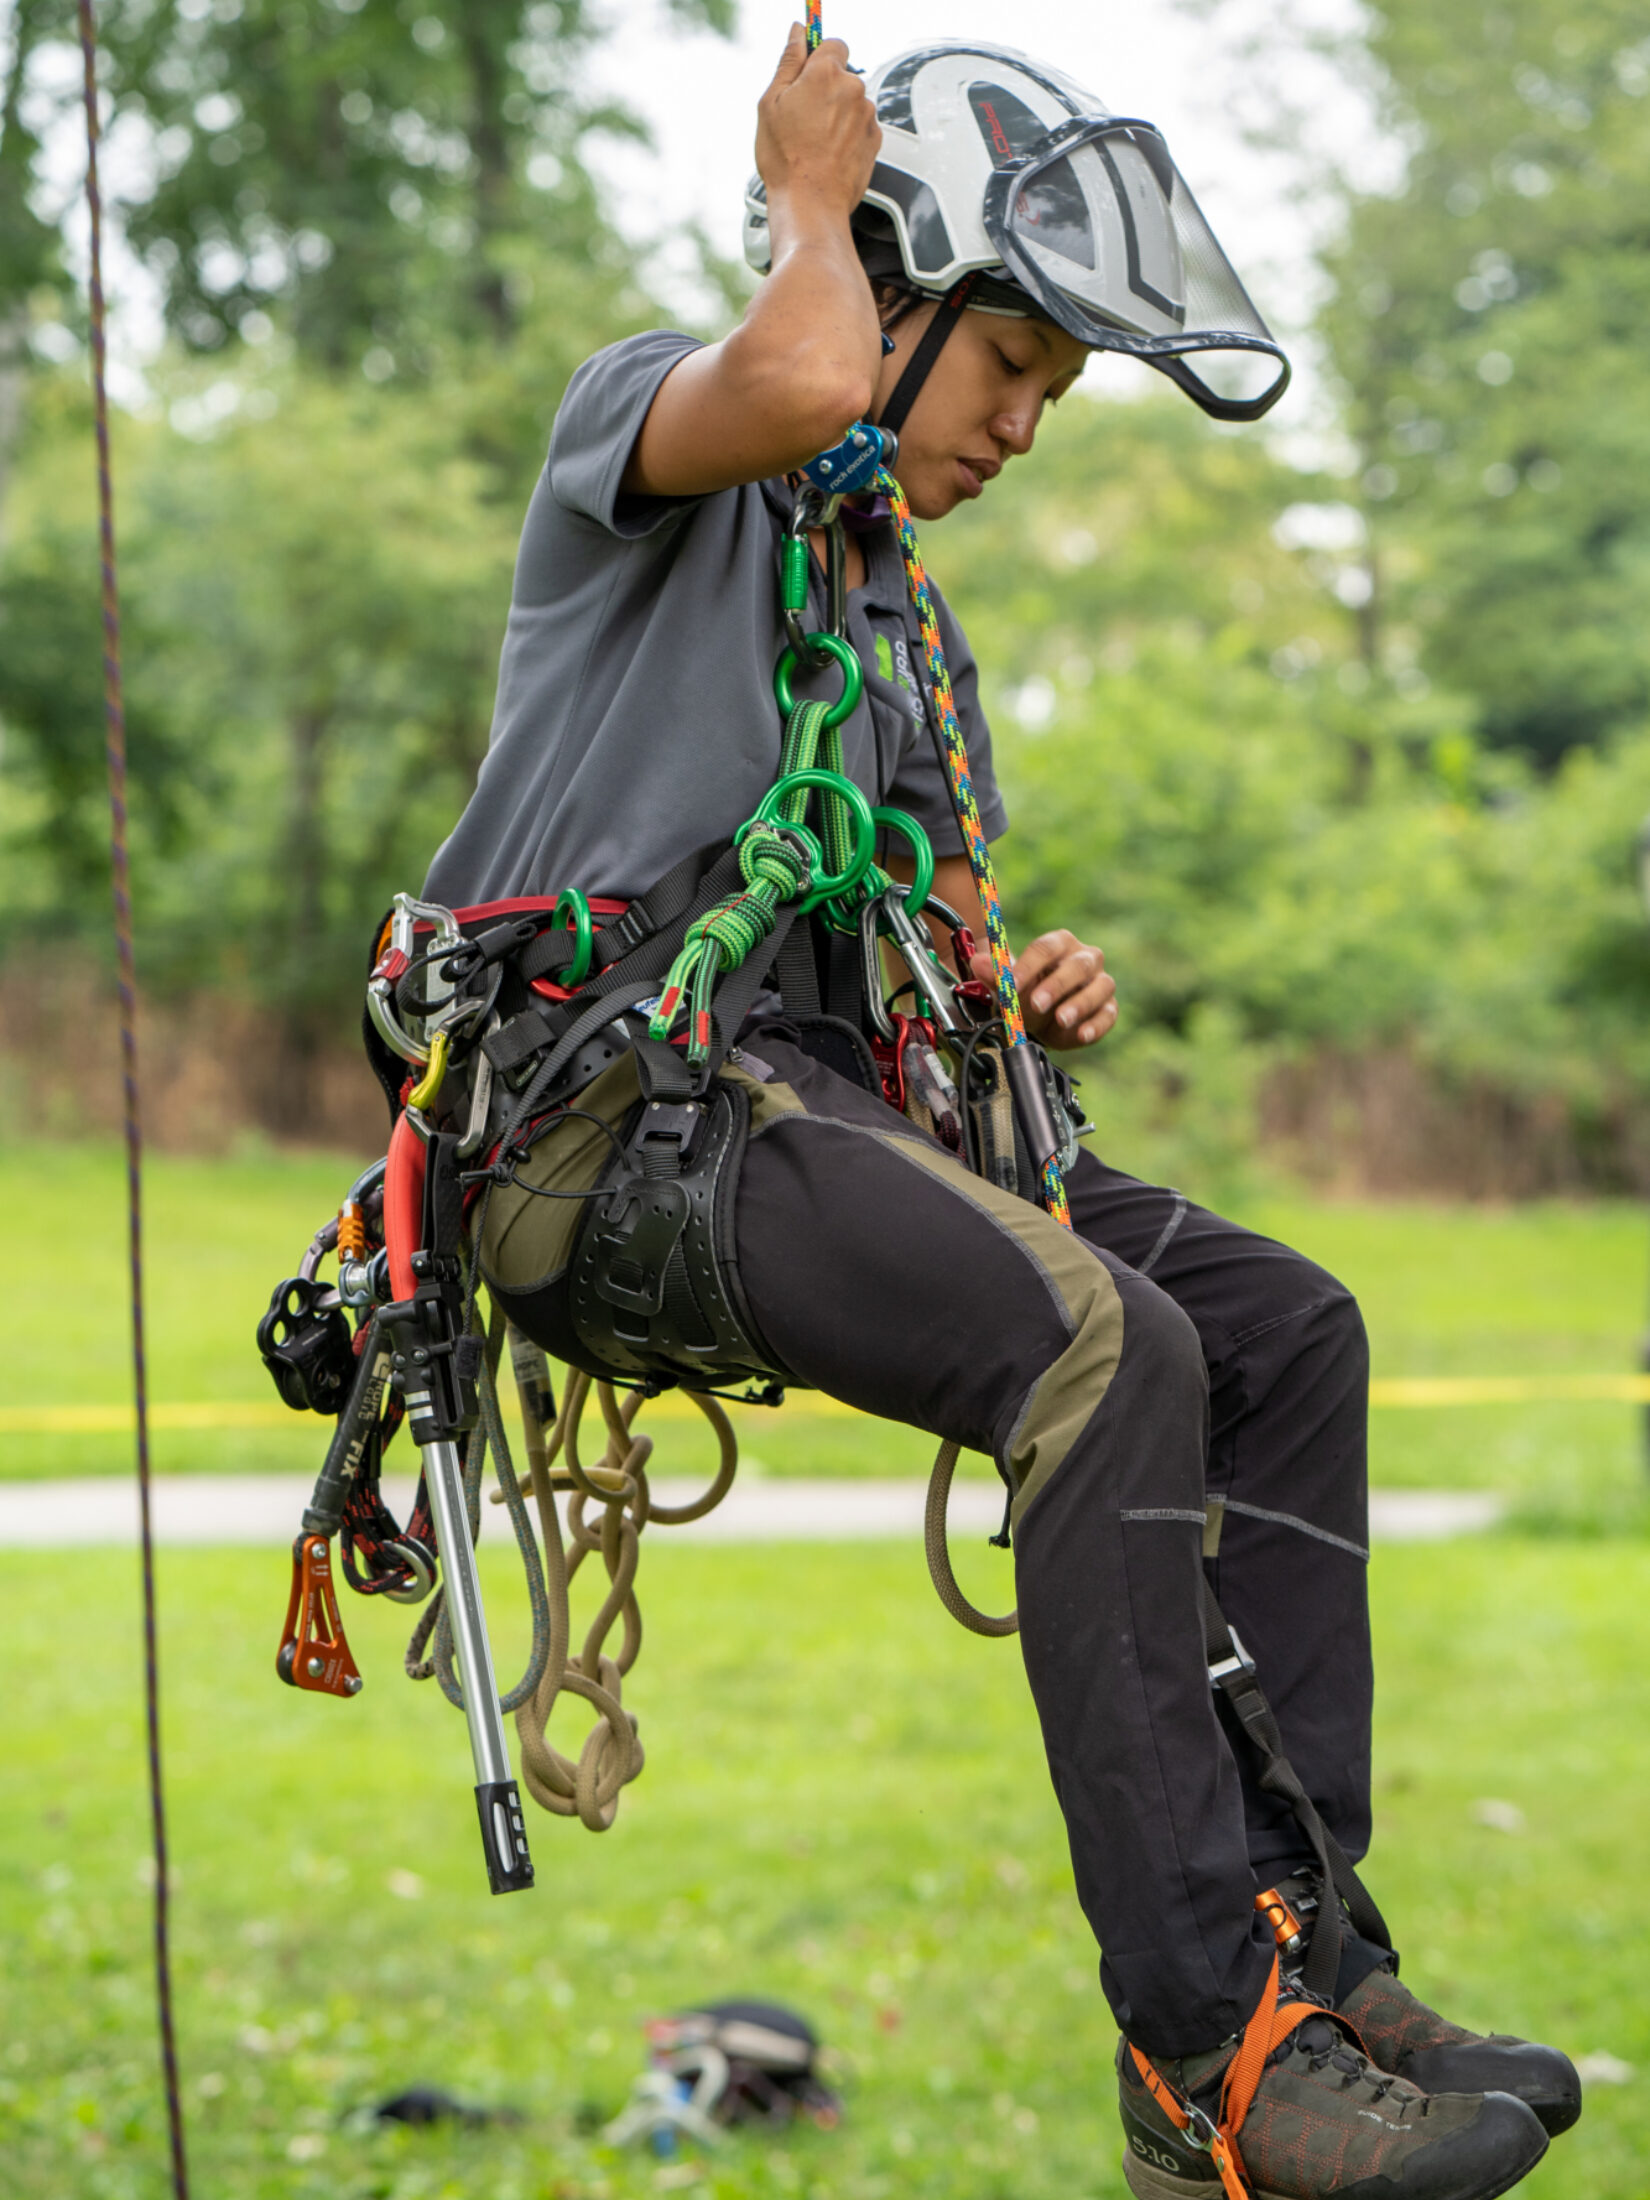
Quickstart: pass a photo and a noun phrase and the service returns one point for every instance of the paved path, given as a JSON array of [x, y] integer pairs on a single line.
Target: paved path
[[265, 1509]]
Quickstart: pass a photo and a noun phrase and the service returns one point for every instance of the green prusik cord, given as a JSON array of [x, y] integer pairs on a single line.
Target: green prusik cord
[[968, 810], [775, 870], [809, 740]]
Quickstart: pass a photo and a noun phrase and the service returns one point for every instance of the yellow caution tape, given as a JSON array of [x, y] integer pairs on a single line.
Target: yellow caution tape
[[1401, 1390]]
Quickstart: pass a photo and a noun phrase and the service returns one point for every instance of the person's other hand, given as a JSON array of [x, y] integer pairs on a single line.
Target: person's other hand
[[1069, 997], [817, 134]]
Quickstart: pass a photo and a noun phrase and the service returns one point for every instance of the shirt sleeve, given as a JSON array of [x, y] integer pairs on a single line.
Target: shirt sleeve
[[920, 784], [596, 429]]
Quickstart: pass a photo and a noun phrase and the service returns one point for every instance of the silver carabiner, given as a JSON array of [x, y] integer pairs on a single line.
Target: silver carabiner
[[916, 950], [870, 963], [381, 990]]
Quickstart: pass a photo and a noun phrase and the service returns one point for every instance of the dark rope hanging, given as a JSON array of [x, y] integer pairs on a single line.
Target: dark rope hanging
[[120, 870]]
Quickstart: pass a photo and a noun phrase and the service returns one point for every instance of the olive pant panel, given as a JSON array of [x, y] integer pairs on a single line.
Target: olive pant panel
[[883, 1272], [528, 1238], [1087, 1365]]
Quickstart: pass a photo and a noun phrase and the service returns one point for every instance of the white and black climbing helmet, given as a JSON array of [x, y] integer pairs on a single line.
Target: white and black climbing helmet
[[996, 168]]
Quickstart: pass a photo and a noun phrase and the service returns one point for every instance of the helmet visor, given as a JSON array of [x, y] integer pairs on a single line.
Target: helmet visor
[[1096, 222]]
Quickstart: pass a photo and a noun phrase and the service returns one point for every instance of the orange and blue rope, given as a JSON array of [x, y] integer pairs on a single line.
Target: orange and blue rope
[[968, 810], [816, 24]]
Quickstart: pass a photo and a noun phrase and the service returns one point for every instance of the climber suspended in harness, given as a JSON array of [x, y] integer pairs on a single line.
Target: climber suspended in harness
[[586, 1053]]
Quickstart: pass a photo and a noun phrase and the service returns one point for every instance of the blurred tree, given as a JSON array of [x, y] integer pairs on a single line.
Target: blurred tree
[[376, 173], [1138, 529], [29, 262], [316, 564], [1488, 331]]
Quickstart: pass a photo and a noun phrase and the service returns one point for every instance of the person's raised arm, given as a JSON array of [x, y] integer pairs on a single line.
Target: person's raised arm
[[802, 365]]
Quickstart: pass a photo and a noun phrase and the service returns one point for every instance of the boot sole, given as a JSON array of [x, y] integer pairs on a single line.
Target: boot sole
[[1147, 2183]]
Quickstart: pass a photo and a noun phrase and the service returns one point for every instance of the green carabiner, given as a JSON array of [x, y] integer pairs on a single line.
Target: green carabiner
[[584, 951], [865, 830], [922, 855], [853, 677]]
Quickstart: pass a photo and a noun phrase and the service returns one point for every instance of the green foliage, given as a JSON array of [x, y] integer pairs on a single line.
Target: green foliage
[[1488, 329], [373, 173], [1266, 734], [1278, 848], [28, 243]]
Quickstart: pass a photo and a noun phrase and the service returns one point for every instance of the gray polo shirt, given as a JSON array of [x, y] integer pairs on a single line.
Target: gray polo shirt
[[635, 718]]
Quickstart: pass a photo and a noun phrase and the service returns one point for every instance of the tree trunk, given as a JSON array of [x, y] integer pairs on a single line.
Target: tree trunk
[[14, 382], [491, 148]]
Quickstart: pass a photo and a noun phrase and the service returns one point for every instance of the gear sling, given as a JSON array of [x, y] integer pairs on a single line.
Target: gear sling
[[510, 1012]]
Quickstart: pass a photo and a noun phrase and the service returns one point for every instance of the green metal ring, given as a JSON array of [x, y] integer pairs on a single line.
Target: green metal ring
[[853, 677], [922, 855], [584, 951], [865, 829]]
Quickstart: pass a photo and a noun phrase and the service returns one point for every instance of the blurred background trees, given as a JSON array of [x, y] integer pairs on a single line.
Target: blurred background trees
[[1345, 765]]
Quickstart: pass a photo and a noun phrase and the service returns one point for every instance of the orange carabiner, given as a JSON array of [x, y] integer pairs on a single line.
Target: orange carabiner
[[313, 1652], [1285, 1925]]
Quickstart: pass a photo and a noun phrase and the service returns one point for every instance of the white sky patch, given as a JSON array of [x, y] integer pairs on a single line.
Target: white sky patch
[[1319, 527]]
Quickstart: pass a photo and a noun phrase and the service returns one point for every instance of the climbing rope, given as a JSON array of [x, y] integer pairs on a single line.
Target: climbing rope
[[955, 753], [587, 1787], [121, 880], [938, 1553]]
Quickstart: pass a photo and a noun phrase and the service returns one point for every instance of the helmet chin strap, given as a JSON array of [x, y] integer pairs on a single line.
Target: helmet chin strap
[[919, 366]]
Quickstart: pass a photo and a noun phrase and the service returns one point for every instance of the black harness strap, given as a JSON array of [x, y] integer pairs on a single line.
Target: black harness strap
[[796, 972], [921, 362], [666, 899], [1232, 1671], [683, 892]]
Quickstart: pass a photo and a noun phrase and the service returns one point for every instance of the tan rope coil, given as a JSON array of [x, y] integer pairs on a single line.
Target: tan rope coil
[[939, 1553], [608, 1504], [588, 1787]]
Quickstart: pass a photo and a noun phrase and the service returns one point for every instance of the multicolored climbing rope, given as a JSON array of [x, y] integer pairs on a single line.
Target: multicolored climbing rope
[[816, 24], [968, 810]]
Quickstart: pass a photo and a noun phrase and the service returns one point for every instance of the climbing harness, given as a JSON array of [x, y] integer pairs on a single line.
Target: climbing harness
[[584, 1054], [120, 878], [487, 1027]]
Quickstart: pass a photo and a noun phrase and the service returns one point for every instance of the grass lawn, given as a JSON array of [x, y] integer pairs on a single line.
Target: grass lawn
[[844, 1805], [1446, 1290]]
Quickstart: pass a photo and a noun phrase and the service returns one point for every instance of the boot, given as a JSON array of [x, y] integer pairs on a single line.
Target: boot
[[1412, 2041], [1403, 2036], [1293, 2111]]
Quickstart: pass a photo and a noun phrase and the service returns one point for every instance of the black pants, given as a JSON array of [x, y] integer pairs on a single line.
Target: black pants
[[1122, 1378], [1125, 1376]]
